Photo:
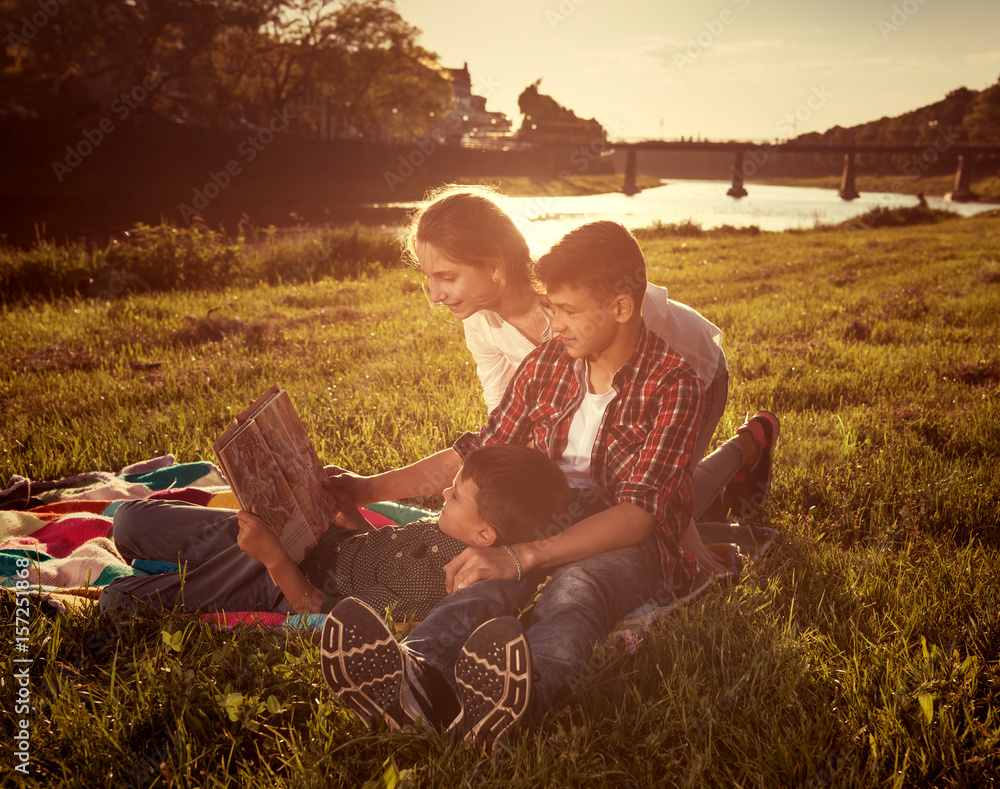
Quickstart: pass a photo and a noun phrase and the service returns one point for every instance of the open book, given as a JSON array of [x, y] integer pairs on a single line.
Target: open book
[[270, 463]]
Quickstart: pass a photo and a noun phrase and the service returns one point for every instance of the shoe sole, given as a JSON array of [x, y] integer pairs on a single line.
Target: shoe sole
[[493, 675], [363, 665]]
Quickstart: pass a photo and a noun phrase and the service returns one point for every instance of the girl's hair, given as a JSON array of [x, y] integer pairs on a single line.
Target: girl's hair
[[465, 224]]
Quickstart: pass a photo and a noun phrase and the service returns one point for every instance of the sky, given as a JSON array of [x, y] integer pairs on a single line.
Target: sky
[[717, 69]]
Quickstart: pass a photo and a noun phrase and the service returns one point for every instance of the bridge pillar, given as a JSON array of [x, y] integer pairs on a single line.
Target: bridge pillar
[[629, 186], [961, 192], [737, 189], [847, 189]]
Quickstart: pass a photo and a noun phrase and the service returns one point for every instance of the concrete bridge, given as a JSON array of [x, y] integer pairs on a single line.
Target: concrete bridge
[[749, 157]]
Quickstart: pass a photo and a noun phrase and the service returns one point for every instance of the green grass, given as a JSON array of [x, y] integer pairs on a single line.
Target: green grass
[[862, 651]]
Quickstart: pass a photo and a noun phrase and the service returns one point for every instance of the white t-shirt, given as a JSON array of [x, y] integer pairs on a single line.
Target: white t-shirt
[[575, 460], [498, 347]]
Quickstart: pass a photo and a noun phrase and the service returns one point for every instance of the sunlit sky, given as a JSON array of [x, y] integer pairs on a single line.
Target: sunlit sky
[[718, 69]]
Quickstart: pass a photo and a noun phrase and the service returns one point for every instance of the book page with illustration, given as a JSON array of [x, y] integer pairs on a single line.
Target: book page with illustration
[[269, 461]]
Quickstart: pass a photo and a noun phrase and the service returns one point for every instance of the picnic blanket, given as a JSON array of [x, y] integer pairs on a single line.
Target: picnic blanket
[[63, 528], [67, 534]]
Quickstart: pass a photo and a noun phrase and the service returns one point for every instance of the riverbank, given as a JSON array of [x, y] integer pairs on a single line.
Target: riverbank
[[861, 651], [573, 185], [164, 258]]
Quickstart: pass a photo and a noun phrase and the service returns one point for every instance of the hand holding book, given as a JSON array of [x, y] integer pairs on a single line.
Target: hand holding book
[[257, 540], [348, 486], [348, 513]]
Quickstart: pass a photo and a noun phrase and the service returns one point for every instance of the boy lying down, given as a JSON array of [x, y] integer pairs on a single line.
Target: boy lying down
[[231, 560]]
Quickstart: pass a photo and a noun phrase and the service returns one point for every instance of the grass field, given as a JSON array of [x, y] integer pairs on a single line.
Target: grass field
[[861, 651]]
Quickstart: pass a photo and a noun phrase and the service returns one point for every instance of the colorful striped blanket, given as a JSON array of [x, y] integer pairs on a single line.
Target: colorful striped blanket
[[63, 526]]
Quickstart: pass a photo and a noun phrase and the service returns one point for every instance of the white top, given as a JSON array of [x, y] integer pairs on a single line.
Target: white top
[[498, 347], [583, 427]]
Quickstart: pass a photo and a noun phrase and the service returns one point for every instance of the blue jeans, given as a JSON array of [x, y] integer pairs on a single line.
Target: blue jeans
[[714, 472], [716, 394], [576, 609]]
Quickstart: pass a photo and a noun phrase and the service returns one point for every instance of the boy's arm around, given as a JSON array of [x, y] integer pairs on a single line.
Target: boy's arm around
[[621, 526], [435, 472]]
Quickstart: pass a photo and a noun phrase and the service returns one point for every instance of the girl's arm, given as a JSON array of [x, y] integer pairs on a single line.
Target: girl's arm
[[431, 475]]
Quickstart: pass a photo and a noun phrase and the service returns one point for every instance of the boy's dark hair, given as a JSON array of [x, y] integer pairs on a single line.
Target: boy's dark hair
[[602, 257], [521, 491]]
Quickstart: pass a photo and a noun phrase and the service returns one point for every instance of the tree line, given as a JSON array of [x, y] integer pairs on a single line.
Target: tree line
[[968, 116], [221, 63], [962, 117]]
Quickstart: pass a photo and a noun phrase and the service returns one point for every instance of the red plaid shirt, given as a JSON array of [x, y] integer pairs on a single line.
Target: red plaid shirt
[[642, 454]]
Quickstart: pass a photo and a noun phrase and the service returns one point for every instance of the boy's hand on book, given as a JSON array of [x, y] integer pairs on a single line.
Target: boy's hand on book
[[258, 540]]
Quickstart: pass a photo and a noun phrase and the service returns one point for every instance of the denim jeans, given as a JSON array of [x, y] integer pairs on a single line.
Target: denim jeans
[[576, 609], [712, 473], [716, 395]]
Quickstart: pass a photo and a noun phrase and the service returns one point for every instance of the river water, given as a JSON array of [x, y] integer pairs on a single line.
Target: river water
[[545, 219]]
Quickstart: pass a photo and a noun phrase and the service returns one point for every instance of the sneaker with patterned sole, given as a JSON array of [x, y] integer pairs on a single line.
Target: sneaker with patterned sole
[[746, 493], [493, 674], [369, 671]]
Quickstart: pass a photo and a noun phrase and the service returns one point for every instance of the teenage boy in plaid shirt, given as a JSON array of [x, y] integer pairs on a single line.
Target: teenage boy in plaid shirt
[[619, 411]]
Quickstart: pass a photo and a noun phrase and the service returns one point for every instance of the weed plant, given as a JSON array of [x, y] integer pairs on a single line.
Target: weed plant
[[861, 651]]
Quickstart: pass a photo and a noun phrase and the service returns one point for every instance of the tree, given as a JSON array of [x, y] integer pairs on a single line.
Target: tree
[[227, 59], [544, 117], [74, 55], [983, 118], [383, 83]]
